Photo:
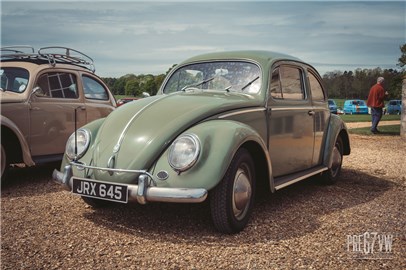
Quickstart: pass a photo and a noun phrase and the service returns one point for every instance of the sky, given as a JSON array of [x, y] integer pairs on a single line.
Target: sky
[[141, 37]]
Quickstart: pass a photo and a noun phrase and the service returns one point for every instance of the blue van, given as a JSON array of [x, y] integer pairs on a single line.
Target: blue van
[[355, 106]]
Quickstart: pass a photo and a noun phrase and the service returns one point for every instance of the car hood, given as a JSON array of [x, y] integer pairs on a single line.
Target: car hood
[[134, 135], [11, 97]]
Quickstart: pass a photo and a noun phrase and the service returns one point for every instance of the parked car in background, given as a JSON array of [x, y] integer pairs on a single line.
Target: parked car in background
[[355, 106], [222, 124], [125, 100], [332, 106], [45, 96], [394, 106]]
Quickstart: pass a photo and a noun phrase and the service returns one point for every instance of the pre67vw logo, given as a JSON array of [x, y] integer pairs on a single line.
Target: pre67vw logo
[[100, 190]]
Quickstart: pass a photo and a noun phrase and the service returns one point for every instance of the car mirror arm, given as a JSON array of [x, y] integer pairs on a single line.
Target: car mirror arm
[[35, 90]]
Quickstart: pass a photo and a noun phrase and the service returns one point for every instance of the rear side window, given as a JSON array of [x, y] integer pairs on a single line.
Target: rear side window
[[287, 83], [57, 85], [317, 90], [93, 89]]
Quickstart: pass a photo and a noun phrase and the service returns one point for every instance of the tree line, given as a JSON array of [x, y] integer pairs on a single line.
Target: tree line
[[339, 84], [356, 84]]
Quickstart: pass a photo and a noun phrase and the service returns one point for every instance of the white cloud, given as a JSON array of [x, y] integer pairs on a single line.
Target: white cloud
[[148, 37]]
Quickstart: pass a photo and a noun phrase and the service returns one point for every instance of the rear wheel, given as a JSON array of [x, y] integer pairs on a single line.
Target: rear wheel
[[231, 201], [331, 175]]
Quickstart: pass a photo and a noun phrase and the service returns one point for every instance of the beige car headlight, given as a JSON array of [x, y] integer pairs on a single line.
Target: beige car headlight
[[184, 152], [76, 146]]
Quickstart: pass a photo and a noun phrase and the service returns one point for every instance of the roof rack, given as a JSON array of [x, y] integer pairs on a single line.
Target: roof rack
[[52, 55]]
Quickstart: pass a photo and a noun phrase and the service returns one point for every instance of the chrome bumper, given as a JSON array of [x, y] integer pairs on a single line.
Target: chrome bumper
[[143, 192]]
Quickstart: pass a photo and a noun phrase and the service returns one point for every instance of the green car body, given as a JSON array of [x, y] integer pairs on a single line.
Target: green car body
[[261, 133]]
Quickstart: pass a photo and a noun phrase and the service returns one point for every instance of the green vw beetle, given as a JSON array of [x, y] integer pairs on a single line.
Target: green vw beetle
[[221, 125]]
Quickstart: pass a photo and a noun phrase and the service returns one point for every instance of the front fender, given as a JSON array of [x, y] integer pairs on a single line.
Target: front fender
[[93, 127], [220, 140], [26, 154], [336, 128]]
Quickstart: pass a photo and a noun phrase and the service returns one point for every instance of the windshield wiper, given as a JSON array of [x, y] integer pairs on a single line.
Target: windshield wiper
[[249, 83], [198, 83]]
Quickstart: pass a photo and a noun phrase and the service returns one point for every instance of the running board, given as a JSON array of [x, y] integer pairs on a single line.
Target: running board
[[288, 180]]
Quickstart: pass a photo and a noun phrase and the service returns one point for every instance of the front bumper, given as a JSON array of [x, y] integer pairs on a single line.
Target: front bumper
[[142, 193]]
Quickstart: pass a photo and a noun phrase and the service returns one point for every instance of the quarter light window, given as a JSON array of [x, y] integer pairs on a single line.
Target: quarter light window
[[93, 89], [317, 90]]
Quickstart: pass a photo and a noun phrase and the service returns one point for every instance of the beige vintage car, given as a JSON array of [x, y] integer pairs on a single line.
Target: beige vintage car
[[45, 96]]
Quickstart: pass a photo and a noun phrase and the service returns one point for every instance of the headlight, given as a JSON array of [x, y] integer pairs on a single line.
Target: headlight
[[184, 152], [77, 147]]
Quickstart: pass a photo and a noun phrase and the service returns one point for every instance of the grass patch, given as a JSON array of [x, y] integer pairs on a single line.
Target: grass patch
[[348, 118], [390, 130]]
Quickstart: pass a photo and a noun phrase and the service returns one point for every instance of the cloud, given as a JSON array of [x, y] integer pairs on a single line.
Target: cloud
[[149, 37]]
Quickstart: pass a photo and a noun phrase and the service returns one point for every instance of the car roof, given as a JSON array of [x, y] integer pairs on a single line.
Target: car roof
[[262, 57]]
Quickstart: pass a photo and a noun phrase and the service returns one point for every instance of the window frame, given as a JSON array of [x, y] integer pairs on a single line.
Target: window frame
[[57, 74], [302, 78]]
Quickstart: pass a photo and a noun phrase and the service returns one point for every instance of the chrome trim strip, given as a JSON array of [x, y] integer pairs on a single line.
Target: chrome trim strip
[[291, 108], [81, 166], [300, 178], [241, 112]]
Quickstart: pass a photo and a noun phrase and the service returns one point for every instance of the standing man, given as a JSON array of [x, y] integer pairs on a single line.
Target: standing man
[[375, 101]]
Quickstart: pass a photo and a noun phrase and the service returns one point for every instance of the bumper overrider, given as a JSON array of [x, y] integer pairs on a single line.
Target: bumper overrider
[[145, 191]]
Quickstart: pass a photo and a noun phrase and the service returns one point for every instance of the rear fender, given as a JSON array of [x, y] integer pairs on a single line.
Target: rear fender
[[336, 128]]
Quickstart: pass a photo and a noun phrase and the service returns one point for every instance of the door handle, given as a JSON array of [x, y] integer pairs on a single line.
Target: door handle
[[82, 108], [311, 113]]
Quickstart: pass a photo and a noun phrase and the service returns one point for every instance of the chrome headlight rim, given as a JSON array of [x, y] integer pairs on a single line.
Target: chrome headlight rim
[[71, 140], [195, 141]]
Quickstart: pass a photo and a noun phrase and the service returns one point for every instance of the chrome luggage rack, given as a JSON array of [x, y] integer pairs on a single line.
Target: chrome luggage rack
[[52, 55]]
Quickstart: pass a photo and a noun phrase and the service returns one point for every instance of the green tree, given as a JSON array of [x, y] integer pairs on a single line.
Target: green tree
[[402, 59], [132, 87]]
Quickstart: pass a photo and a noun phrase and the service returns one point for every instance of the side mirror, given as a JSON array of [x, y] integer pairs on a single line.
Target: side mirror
[[145, 94]]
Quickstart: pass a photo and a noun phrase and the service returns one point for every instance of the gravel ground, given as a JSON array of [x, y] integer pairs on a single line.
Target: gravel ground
[[304, 226]]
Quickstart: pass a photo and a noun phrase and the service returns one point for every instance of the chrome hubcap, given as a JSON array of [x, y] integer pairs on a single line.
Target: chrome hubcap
[[337, 159], [241, 193]]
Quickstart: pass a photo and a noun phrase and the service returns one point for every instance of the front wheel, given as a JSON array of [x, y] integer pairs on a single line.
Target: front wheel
[[231, 201], [331, 175], [4, 164]]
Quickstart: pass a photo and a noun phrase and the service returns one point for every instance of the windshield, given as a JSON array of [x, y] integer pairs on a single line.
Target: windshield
[[358, 103], [234, 76], [14, 79]]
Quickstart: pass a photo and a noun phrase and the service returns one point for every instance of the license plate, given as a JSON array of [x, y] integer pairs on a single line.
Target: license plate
[[100, 190]]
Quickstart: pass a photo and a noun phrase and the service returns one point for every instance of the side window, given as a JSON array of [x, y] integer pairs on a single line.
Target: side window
[[317, 90], [291, 82], [93, 89], [287, 83], [57, 85]]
